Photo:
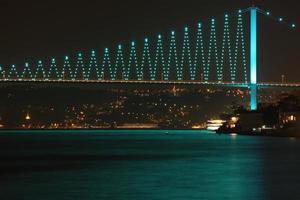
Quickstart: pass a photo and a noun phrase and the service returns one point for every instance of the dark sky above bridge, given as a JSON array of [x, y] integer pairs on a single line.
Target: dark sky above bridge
[[32, 30]]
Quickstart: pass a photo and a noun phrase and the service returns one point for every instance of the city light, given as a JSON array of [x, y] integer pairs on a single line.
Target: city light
[[234, 119], [214, 125], [27, 116]]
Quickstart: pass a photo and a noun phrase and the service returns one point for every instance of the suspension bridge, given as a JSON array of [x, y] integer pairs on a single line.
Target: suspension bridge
[[196, 58]]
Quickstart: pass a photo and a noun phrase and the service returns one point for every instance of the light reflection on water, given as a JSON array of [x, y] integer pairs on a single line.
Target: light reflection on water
[[147, 165]]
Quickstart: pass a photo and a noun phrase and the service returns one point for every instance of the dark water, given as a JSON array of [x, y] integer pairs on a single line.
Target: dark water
[[147, 165]]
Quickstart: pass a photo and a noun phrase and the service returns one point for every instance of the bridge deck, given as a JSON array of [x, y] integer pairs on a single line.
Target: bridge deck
[[224, 84]]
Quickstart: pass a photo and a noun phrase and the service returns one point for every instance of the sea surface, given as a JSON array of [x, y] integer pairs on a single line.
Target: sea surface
[[147, 165]]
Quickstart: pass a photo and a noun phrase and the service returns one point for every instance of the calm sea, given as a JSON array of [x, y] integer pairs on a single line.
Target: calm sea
[[147, 165]]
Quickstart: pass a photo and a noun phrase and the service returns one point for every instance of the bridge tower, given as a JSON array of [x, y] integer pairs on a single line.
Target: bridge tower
[[253, 58]]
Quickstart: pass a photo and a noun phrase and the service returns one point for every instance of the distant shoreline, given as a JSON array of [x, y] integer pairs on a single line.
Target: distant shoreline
[[100, 129], [282, 135]]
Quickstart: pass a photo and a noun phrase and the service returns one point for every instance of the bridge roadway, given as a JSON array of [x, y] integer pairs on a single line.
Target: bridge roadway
[[217, 84]]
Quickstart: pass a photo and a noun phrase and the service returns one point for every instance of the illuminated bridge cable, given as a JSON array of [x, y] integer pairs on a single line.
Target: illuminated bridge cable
[[212, 50], [119, 62], [199, 48], [159, 57], [80, 67], [13, 73], [172, 54], [40, 71], [186, 53], [107, 63], [226, 48], [27, 74], [146, 57], [93, 67], [244, 62], [239, 42], [53, 73], [132, 62], [68, 72]]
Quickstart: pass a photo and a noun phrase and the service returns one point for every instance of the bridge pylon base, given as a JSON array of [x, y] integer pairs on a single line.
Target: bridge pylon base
[[253, 97]]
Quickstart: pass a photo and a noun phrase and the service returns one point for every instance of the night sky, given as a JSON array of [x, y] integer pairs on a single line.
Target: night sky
[[32, 30]]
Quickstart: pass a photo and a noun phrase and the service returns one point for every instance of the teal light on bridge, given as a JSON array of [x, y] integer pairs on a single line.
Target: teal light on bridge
[[172, 60], [146, 59], [226, 43], [80, 70], [13, 73], [68, 72], [119, 64], [53, 72], [93, 67], [253, 57], [159, 56], [186, 58], [40, 72], [27, 72], [212, 48], [106, 64], [199, 50], [132, 63], [240, 40], [166, 68]]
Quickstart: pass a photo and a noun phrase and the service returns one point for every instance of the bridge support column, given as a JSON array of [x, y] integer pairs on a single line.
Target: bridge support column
[[253, 97], [253, 58]]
